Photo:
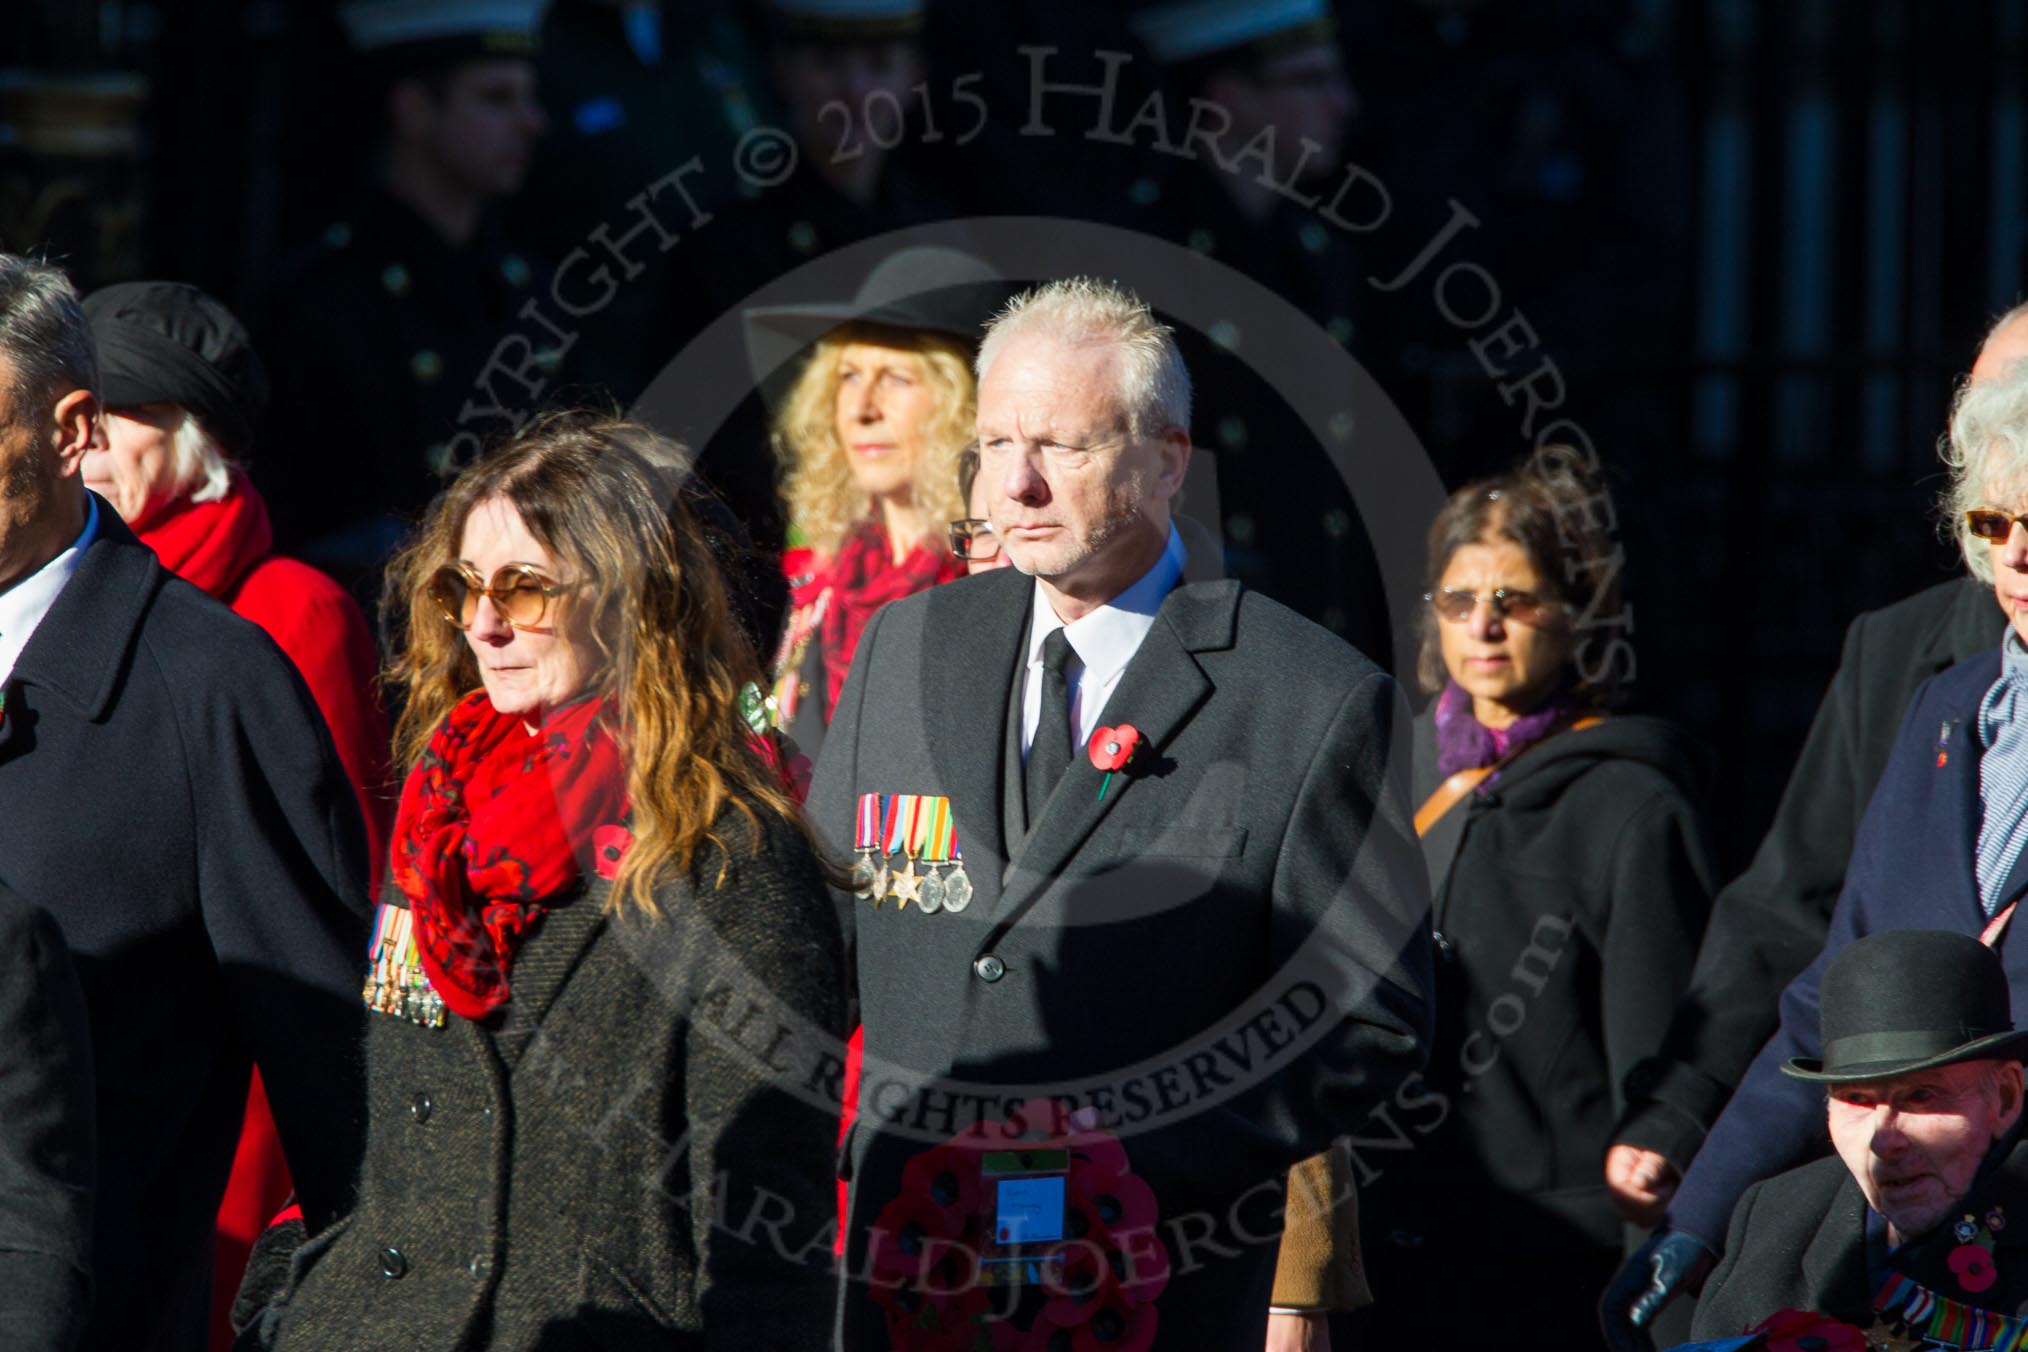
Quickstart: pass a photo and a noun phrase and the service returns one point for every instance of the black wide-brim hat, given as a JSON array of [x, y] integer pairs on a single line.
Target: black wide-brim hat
[[923, 288], [1907, 1000]]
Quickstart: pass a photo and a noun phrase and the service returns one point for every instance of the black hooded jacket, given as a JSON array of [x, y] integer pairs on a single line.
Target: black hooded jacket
[[1570, 894]]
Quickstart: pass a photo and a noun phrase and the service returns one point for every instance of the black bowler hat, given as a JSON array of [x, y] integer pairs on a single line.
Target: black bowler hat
[[921, 288], [1905, 1000], [168, 342]]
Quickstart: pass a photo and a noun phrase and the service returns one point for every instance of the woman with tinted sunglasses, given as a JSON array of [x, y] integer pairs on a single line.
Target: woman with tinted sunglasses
[[1571, 876], [600, 878]]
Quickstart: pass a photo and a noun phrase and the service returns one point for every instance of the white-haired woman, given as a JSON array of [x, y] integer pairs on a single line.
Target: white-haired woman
[[1943, 844]]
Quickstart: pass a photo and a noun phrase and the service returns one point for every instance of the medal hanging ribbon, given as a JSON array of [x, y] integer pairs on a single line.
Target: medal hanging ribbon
[[865, 839], [909, 824], [931, 843], [396, 983], [1942, 1320]]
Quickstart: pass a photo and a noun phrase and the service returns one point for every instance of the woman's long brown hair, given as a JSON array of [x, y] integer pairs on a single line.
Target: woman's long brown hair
[[605, 498]]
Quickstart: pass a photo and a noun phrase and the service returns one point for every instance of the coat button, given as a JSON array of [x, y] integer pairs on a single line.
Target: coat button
[[421, 1107], [393, 1263], [989, 967], [480, 1265]]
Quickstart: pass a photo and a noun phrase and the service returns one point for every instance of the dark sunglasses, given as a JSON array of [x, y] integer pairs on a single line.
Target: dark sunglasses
[[1991, 524], [1522, 607], [973, 541], [520, 593]]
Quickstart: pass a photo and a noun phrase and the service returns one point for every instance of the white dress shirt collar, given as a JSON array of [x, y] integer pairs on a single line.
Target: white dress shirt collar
[[1104, 639], [23, 605]]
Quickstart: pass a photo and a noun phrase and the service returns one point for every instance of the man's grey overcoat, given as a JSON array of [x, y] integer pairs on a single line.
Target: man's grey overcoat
[[1225, 953]]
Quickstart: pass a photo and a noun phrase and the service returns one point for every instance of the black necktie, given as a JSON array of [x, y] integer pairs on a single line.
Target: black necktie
[[1049, 753]]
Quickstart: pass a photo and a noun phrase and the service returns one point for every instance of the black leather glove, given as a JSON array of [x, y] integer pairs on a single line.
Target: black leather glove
[[267, 1271], [1671, 1261]]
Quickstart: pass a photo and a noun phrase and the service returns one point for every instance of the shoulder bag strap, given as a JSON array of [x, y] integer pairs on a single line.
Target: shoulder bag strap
[[1464, 781]]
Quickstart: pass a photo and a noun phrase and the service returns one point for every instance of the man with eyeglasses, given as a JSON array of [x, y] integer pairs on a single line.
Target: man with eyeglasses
[[1940, 847]]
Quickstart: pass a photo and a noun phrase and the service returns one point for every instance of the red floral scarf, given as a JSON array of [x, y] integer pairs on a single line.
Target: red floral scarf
[[861, 579], [494, 824]]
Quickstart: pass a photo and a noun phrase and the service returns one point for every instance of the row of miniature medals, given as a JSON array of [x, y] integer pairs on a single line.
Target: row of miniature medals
[[395, 981], [918, 828]]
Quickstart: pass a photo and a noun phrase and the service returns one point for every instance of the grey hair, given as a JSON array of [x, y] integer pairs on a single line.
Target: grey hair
[[44, 338], [1987, 453], [203, 473], [1154, 386]]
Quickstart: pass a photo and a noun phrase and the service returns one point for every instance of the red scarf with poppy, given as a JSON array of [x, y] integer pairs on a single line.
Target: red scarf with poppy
[[862, 578], [494, 826]]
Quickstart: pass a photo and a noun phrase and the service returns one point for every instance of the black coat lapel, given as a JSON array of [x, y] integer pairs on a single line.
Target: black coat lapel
[[1161, 688], [1834, 1262], [971, 645]]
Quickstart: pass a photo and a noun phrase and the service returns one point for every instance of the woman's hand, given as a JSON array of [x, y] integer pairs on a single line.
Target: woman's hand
[[1641, 1183], [1292, 1332]]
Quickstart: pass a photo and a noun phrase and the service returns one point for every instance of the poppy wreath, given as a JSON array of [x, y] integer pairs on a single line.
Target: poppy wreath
[[1099, 1284], [1806, 1331]]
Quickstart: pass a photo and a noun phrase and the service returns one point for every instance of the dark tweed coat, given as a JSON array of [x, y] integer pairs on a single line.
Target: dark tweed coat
[[630, 1159]]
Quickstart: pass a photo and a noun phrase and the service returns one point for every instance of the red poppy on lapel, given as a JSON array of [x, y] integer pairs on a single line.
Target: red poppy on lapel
[[1112, 749], [1972, 1264]]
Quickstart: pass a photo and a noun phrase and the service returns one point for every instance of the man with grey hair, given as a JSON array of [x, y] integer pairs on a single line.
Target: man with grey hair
[[173, 801], [1178, 904], [1943, 845]]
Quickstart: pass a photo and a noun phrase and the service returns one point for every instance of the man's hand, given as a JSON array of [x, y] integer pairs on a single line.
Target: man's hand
[[1667, 1264], [1640, 1182], [1291, 1332]]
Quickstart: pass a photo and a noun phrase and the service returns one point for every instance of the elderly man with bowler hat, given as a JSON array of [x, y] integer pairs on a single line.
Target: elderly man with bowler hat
[[174, 802], [1917, 1231], [1177, 937]]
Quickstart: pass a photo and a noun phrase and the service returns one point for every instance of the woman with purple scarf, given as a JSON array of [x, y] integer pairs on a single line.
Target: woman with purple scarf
[[1571, 874]]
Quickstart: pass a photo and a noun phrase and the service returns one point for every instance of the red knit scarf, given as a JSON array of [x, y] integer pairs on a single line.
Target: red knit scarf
[[494, 825], [214, 545]]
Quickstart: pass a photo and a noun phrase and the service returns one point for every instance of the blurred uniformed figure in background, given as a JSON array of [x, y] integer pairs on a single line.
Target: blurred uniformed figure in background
[[379, 330], [637, 90], [1277, 73]]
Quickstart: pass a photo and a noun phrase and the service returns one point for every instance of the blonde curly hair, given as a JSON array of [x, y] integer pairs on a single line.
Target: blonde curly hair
[[824, 501]]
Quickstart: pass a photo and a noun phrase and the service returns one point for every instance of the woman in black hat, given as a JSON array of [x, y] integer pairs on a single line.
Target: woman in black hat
[[868, 439]]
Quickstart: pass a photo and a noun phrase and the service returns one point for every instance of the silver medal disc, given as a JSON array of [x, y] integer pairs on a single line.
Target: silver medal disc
[[929, 895], [957, 892]]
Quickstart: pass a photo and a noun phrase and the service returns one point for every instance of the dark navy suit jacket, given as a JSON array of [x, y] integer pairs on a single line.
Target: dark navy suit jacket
[[1912, 868]]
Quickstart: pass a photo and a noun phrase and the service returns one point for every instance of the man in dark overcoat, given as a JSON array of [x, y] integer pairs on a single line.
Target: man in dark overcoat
[[1909, 1232], [1193, 913], [174, 801], [48, 1155]]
